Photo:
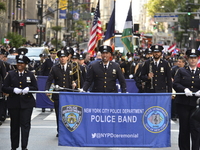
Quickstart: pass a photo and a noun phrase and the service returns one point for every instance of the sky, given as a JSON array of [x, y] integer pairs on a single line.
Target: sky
[[122, 7]]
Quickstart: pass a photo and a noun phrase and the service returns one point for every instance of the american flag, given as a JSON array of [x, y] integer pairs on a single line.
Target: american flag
[[96, 31]]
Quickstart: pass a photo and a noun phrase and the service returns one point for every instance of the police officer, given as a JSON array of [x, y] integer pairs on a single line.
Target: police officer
[[138, 69], [63, 75], [187, 81], [38, 64], [46, 66], [156, 73], [2, 100], [104, 74], [20, 102]]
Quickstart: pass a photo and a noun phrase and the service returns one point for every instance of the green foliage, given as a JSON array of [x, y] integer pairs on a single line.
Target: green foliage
[[53, 42], [2, 6], [16, 40], [56, 28]]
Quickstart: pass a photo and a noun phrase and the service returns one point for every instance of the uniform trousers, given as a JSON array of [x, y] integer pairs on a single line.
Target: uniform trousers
[[20, 118], [187, 127], [56, 106]]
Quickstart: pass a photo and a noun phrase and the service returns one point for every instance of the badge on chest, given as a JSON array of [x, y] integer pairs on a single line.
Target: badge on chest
[[28, 79]]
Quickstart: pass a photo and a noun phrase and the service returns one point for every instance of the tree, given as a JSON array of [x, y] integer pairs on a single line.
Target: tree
[[2, 6], [16, 40]]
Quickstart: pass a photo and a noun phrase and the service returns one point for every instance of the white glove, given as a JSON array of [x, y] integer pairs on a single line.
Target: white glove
[[81, 90], [25, 90], [197, 93], [130, 59], [130, 76], [17, 90], [188, 92]]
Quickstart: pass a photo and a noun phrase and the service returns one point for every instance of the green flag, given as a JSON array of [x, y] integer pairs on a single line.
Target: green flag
[[127, 33]]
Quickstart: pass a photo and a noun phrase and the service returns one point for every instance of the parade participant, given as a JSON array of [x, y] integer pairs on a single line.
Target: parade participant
[[180, 63], [70, 51], [2, 100], [138, 69], [156, 73], [104, 74], [38, 64], [186, 80], [87, 58], [64, 75], [48, 64], [20, 102]]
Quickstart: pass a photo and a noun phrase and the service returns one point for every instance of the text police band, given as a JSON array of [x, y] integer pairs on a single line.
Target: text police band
[[150, 68]]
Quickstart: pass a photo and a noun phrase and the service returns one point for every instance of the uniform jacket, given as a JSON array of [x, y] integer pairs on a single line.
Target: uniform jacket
[[2, 75], [62, 78], [46, 66], [12, 80], [185, 79], [104, 80], [162, 81]]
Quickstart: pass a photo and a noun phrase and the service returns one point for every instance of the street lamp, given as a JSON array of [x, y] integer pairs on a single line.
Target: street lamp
[[57, 26]]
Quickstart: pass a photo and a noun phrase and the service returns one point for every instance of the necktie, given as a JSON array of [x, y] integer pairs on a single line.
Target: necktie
[[156, 63], [192, 71], [20, 74], [105, 67], [63, 68]]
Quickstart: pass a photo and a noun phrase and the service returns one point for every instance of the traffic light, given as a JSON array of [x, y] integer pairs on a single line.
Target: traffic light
[[19, 3], [189, 11], [92, 10]]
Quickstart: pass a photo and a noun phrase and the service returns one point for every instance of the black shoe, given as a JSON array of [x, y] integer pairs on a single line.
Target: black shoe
[[24, 149], [0, 123], [43, 109], [13, 149], [56, 135]]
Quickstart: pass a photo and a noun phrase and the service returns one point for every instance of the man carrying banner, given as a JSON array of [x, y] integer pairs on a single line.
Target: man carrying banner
[[156, 73], [187, 80], [104, 74], [64, 77]]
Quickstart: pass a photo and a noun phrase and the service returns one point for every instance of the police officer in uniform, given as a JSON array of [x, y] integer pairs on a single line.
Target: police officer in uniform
[[20, 102], [46, 66], [156, 73], [64, 75], [104, 74], [38, 64], [186, 80]]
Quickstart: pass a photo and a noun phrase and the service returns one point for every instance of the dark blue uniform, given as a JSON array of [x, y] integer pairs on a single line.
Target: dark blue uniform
[[46, 66], [20, 106], [162, 81], [186, 106], [104, 79], [63, 79]]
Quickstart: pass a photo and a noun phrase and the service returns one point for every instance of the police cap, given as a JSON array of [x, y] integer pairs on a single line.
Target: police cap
[[192, 53], [13, 50], [81, 57], [69, 50], [22, 59], [76, 56], [157, 48], [22, 51], [105, 48], [62, 53], [53, 50], [129, 54], [148, 51], [42, 55]]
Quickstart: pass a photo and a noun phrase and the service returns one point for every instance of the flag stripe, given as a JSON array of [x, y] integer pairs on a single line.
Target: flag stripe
[[96, 31]]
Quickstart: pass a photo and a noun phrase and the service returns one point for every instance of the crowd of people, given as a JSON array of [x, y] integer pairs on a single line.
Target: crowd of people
[[73, 70]]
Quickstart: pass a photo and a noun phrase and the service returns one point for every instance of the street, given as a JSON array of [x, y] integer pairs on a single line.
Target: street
[[43, 135]]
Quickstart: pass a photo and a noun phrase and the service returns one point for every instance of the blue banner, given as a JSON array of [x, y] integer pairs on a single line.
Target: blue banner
[[42, 101], [114, 120], [62, 14]]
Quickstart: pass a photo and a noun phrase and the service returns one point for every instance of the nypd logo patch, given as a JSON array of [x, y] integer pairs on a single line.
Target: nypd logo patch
[[71, 116], [155, 119]]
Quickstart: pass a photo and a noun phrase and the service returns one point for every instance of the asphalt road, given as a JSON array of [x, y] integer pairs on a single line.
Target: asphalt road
[[43, 135]]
